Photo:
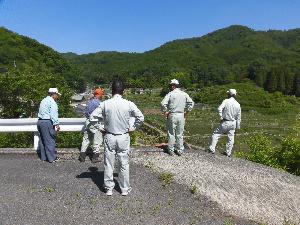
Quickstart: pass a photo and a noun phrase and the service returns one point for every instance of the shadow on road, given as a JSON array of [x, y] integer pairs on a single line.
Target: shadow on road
[[98, 178]]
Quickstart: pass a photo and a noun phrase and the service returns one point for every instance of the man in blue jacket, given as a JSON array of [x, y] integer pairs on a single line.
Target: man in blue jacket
[[48, 125]]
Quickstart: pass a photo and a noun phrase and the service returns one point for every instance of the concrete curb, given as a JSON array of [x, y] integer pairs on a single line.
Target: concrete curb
[[73, 153]]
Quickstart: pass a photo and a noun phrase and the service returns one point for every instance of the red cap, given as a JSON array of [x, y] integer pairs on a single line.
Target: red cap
[[98, 92]]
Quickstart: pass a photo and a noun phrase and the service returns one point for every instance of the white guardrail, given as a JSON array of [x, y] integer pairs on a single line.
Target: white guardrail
[[30, 125]]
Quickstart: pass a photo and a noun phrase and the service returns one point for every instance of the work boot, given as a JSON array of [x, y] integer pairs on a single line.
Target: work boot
[[82, 157], [179, 153], [95, 158], [171, 153]]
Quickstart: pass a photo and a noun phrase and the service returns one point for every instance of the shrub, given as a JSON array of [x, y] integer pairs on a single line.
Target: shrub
[[261, 151], [289, 155], [286, 156]]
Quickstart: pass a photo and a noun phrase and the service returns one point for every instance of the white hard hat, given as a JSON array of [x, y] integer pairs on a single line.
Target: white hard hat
[[174, 81], [53, 91], [232, 92]]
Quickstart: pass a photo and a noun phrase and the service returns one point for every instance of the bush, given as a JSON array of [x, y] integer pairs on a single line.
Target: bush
[[261, 151], [286, 156], [16, 140], [289, 155]]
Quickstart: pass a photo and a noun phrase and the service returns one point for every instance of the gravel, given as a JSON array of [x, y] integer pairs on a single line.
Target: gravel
[[239, 187], [69, 192]]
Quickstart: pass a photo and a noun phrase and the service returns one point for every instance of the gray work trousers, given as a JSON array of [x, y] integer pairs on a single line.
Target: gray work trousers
[[175, 127], [91, 136], [225, 127], [47, 140], [116, 147]]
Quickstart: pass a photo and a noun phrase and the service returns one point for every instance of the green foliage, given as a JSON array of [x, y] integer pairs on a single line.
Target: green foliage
[[193, 189], [182, 77], [289, 155], [250, 97], [25, 53], [286, 156], [166, 178], [49, 189], [224, 56], [261, 151], [22, 91], [69, 139], [31, 69], [16, 140]]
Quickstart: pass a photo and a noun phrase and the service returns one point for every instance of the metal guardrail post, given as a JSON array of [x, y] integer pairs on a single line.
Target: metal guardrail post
[[36, 138]]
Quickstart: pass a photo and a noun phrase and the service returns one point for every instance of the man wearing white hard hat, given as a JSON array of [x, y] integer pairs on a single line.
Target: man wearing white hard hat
[[48, 125], [230, 116], [175, 106]]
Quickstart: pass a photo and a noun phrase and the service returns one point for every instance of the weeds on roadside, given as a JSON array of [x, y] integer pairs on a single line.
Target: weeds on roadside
[[49, 189], [166, 178], [156, 209], [193, 189], [93, 201], [228, 222], [170, 202]]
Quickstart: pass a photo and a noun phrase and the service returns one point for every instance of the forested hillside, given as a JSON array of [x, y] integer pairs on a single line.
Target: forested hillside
[[20, 52], [27, 70], [270, 58]]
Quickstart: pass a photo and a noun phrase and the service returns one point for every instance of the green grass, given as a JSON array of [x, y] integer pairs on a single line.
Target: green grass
[[165, 178], [49, 189], [193, 189], [269, 114]]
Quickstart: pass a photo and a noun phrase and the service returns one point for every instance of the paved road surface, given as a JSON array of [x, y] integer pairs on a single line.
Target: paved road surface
[[69, 192]]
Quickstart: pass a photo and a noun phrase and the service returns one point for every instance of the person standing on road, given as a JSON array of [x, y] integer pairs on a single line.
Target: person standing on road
[[91, 134], [48, 125], [175, 106], [116, 127], [230, 116]]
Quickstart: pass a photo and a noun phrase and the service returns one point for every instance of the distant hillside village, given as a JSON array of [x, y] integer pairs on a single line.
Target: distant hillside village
[[79, 100]]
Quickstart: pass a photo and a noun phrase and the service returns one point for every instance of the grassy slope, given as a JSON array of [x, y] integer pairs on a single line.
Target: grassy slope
[[276, 118]]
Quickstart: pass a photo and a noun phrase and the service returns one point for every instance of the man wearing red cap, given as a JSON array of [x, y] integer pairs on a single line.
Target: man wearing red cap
[[92, 135]]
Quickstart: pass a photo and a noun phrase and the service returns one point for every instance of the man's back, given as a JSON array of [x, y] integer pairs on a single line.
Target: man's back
[[116, 114], [91, 106], [230, 109], [177, 101]]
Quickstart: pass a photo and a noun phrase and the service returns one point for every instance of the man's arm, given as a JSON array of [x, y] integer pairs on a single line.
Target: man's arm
[[164, 105], [97, 117], [220, 109], [165, 102], [54, 115], [189, 103], [239, 118], [138, 115]]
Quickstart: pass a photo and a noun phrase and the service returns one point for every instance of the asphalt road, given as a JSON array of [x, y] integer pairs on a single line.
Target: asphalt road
[[69, 192]]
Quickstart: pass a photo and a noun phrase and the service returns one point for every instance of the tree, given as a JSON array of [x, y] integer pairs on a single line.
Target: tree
[[22, 91], [271, 82]]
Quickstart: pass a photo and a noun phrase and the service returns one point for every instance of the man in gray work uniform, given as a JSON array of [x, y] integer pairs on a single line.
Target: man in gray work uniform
[[175, 105], [115, 114], [230, 117]]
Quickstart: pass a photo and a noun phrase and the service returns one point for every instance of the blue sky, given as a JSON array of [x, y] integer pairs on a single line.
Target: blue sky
[[85, 26]]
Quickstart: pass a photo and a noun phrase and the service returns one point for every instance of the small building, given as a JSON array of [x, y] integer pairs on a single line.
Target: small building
[[77, 98]]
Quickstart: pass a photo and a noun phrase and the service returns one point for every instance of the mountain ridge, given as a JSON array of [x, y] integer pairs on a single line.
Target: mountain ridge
[[231, 54]]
